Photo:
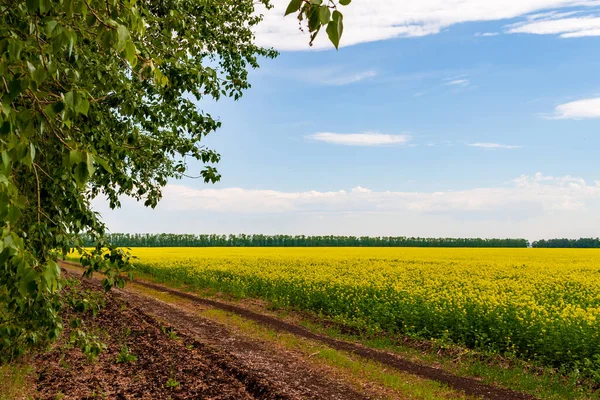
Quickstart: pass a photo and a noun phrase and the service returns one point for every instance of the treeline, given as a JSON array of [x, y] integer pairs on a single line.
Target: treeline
[[189, 240], [583, 243]]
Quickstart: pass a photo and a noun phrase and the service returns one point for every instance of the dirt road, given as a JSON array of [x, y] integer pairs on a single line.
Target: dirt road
[[210, 360]]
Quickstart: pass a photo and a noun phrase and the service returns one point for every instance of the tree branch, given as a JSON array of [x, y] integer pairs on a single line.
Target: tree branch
[[39, 200]]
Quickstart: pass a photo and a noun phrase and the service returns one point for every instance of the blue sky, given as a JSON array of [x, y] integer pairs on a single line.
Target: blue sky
[[474, 118]]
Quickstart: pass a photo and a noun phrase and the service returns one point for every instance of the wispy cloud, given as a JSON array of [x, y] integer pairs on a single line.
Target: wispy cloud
[[458, 82], [332, 75], [493, 146], [347, 79], [375, 20], [579, 109], [562, 24], [486, 34], [360, 139]]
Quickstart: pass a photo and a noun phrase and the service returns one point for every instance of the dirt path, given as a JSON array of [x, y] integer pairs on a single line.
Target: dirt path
[[265, 373], [292, 377], [283, 372]]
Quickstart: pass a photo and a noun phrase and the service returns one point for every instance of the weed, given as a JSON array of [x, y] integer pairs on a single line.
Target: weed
[[89, 344], [172, 383], [125, 356], [170, 332]]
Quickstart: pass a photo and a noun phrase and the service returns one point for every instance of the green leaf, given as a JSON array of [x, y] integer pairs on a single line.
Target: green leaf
[[6, 159], [130, 53], [70, 100], [75, 157], [68, 7], [313, 21], [14, 49], [32, 5], [89, 161], [71, 44], [81, 173], [51, 274], [104, 164], [122, 36], [39, 75], [293, 7], [45, 6], [31, 152], [345, 2], [27, 283], [16, 87], [335, 28], [324, 15], [50, 26], [83, 106]]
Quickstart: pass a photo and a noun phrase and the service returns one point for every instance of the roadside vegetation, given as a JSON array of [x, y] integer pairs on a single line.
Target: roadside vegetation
[[535, 305], [489, 367]]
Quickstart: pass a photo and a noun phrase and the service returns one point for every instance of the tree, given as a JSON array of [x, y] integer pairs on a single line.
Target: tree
[[99, 98]]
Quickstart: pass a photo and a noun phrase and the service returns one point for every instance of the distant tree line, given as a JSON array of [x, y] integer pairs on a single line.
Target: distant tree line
[[242, 240], [583, 243]]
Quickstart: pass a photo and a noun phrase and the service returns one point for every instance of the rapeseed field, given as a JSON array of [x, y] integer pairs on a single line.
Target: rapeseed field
[[537, 304]]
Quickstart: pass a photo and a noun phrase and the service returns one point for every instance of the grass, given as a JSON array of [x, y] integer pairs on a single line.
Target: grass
[[491, 368], [356, 370], [15, 381], [360, 372]]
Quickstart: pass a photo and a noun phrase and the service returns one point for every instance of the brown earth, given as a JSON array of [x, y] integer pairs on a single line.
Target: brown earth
[[258, 371], [207, 360]]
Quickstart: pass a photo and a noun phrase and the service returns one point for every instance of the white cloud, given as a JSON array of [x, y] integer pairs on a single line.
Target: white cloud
[[347, 79], [580, 109], [373, 20], [565, 27], [326, 75], [458, 82], [494, 146], [531, 206], [547, 192], [486, 34], [360, 139]]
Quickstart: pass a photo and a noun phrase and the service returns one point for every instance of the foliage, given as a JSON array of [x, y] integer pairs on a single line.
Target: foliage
[[190, 240], [125, 356], [317, 14], [90, 344], [541, 305], [99, 97], [80, 301], [582, 243]]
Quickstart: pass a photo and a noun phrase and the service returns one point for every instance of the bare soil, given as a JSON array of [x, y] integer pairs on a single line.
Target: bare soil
[[246, 365], [207, 360]]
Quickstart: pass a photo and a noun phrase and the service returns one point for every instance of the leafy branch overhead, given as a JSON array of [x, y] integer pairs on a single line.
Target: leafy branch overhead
[[100, 98], [316, 14]]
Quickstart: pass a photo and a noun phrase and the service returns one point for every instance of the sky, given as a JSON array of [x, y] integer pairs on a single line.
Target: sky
[[437, 118]]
